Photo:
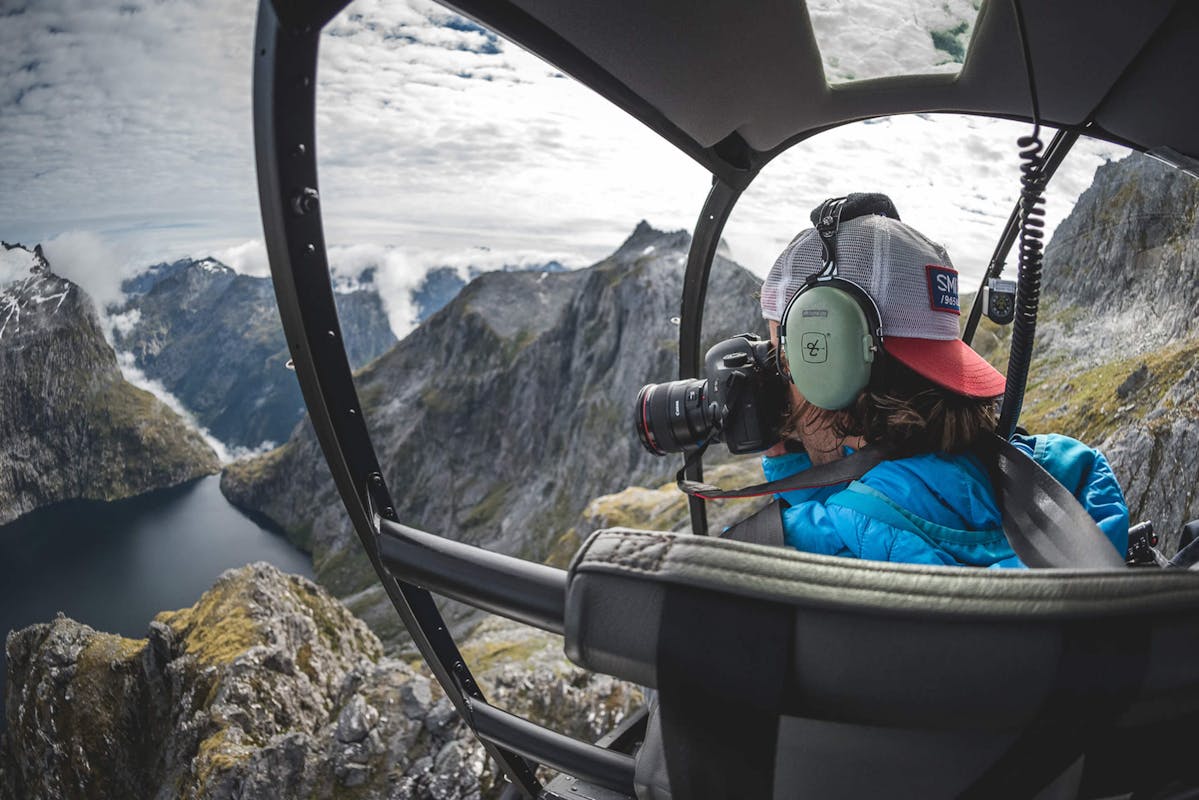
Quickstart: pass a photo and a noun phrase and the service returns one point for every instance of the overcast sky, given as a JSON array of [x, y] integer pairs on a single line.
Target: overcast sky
[[125, 139]]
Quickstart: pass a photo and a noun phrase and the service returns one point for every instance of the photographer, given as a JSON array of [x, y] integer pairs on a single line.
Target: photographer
[[909, 385]]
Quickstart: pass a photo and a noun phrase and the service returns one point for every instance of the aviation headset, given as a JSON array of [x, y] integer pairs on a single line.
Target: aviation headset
[[831, 330]]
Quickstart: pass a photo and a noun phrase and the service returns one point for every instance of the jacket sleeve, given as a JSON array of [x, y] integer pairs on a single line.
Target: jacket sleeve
[[1088, 475]]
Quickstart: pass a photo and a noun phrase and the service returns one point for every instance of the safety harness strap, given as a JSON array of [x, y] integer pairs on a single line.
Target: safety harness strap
[[764, 526], [719, 731], [1044, 522]]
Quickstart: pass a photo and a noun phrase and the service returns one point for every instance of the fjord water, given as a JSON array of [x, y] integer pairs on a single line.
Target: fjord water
[[115, 565]]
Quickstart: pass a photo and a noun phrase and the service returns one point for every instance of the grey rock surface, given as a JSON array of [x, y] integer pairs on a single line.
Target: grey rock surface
[[214, 339], [505, 413], [1116, 362], [269, 688], [71, 426]]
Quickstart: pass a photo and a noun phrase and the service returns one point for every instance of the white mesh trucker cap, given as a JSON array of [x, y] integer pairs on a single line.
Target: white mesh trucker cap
[[915, 286]]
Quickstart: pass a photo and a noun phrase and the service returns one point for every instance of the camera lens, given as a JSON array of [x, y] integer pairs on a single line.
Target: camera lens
[[669, 417]]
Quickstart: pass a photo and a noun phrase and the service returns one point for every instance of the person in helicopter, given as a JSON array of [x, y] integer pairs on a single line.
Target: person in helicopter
[[915, 388]]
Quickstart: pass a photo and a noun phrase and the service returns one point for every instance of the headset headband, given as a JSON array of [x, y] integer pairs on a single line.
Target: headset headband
[[829, 220]]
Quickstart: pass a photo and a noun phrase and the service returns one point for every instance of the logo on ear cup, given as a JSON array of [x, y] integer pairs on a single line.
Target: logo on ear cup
[[814, 347]]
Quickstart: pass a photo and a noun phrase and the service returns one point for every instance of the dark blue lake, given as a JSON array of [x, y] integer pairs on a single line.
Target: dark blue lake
[[115, 565]]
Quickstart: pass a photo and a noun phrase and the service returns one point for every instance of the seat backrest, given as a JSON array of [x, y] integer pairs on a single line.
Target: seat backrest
[[783, 673]]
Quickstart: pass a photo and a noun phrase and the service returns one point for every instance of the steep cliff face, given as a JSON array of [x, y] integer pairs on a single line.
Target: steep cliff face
[[441, 284], [1117, 351], [214, 339], [268, 687], [72, 427], [505, 413]]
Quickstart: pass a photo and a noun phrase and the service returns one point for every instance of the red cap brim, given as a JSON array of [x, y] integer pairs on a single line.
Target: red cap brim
[[950, 364]]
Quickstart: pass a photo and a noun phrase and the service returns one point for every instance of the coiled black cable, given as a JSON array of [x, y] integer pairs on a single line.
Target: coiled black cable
[[1028, 282], [1029, 255]]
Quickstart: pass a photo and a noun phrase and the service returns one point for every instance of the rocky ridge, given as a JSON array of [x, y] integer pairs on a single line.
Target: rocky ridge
[[268, 687], [72, 426], [503, 415], [1117, 349], [214, 339], [442, 284]]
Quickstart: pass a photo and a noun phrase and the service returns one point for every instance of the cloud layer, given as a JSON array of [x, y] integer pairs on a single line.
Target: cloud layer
[[129, 122]]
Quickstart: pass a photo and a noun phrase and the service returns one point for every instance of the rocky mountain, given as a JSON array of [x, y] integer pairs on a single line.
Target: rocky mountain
[[1117, 351], [70, 424], [502, 416], [441, 284], [213, 338], [267, 687]]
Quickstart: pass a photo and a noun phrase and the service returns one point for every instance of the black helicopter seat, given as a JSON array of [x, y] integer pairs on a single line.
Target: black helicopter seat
[[785, 674]]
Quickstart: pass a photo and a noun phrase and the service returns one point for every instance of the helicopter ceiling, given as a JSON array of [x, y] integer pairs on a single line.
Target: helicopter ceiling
[[733, 84]]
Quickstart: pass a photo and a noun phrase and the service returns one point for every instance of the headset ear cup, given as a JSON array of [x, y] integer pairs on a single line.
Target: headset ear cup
[[828, 339]]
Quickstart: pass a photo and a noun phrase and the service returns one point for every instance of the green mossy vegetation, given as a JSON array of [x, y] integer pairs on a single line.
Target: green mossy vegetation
[[154, 445], [436, 400], [252, 471], [99, 716], [1085, 405], [217, 629], [328, 626], [344, 571], [487, 513], [559, 515], [514, 346], [216, 755], [602, 417], [485, 655], [564, 548]]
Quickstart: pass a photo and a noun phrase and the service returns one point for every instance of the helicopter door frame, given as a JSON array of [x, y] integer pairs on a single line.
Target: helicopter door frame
[[286, 44], [411, 563]]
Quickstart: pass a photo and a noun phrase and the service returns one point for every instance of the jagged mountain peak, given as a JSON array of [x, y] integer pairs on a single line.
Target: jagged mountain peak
[[1125, 258], [72, 426], [156, 274], [646, 240], [525, 304], [506, 411], [212, 337], [32, 297], [16, 259]]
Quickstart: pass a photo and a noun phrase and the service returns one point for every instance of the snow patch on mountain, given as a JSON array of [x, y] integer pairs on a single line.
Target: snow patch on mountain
[[16, 263], [30, 292]]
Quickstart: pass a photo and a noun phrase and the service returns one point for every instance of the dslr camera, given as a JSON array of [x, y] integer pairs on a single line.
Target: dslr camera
[[740, 402]]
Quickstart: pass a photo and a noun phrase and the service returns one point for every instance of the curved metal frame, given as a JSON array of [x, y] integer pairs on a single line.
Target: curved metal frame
[[285, 151], [286, 47]]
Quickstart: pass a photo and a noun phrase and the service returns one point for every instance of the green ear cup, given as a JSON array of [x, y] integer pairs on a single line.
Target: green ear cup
[[828, 346]]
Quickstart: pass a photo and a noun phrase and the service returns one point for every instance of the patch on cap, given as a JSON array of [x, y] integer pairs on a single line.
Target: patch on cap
[[943, 289]]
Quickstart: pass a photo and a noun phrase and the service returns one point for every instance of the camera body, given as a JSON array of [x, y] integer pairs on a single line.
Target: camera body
[[741, 400]]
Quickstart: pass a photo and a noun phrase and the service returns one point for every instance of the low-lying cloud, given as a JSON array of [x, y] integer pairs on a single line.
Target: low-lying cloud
[[96, 263], [131, 122]]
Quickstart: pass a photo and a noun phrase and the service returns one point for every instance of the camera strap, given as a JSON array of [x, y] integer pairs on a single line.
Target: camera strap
[[843, 470]]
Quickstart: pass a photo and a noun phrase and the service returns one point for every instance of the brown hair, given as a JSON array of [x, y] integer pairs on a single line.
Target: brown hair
[[905, 411]]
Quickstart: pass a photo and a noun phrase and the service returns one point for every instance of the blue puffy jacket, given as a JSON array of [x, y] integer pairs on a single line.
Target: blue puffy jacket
[[938, 508]]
